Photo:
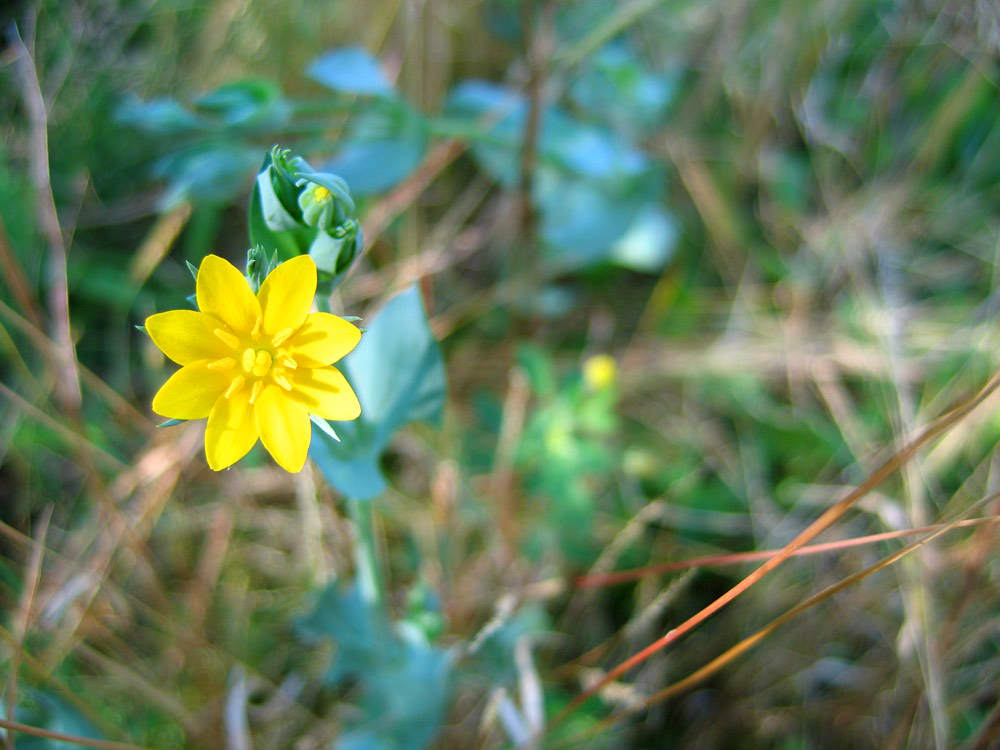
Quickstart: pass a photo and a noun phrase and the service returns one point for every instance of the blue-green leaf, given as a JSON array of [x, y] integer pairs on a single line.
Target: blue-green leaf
[[404, 681], [382, 149], [255, 102], [210, 172], [649, 243], [162, 117], [351, 70], [46, 710], [398, 373], [361, 633]]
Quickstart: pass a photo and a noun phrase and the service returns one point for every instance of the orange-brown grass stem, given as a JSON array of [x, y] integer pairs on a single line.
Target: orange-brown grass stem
[[747, 643], [597, 580], [939, 426]]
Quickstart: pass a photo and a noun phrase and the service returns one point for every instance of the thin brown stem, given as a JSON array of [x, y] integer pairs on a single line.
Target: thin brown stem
[[595, 580], [67, 375], [16, 726], [827, 519], [24, 615]]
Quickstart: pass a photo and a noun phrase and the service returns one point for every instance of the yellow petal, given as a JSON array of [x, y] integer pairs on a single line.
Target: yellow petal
[[223, 292], [323, 391], [231, 431], [322, 340], [191, 392], [287, 294], [284, 428], [186, 336]]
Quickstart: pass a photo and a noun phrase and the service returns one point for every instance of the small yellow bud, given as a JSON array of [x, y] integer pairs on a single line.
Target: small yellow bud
[[600, 372]]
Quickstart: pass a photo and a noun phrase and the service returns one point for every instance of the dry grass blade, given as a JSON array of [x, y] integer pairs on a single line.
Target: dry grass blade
[[72, 437], [747, 643], [48, 349], [887, 469], [622, 576], [24, 615], [58, 298], [382, 214], [158, 242]]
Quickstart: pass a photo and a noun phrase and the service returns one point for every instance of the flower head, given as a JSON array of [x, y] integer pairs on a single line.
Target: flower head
[[317, 204], [600, 372], [255, 365]]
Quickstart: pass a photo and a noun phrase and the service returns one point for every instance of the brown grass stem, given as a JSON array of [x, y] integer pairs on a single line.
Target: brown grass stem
[[24, 614], [596, 580], [747, 643], [889, 467], [68, 377]]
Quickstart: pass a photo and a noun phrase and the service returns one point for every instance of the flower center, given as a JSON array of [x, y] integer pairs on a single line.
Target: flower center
[[320, 193], [256, 362]]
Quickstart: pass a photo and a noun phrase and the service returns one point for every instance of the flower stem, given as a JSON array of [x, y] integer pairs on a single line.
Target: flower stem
[[365, 558]]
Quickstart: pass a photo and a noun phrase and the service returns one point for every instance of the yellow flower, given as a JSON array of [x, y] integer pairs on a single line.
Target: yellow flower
[[600, 372], [256, 366]]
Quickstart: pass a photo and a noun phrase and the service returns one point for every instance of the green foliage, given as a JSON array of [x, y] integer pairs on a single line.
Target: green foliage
[[592, 186], [217, 134], [800, 198], [566, 456], [405, 681], [382, 148], [42, 709], [398, 375], [351, 70], [599, 196]]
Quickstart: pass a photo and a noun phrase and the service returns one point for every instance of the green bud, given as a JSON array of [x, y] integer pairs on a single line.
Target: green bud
[[259, 266], [297, 210]]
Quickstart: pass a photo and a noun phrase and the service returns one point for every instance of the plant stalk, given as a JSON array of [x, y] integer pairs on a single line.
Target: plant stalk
[[366, 571]]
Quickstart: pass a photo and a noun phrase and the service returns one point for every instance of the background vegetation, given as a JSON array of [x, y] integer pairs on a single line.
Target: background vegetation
[[778, 218]]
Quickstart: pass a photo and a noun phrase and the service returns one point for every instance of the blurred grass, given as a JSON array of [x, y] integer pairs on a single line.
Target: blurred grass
[[833, 167]]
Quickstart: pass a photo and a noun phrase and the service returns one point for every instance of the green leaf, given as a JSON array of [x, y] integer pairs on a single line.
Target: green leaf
[[398, 374], [209, 172], [649, 243], [617, 89], [361, 634], [351, 70], [382, 149], [159, 117], [590, 182], [405, 682], [256, 102]]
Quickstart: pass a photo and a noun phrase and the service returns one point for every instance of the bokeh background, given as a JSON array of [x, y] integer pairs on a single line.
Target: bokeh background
[[696, 268]]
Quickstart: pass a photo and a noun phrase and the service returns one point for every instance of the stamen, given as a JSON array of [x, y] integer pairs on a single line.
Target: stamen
[[222, 364], [288, 362], [249, 357], [283, 382], [257, 386], [236, 386], [255, 333], [227, 338], [281, 336], [262, 363]]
